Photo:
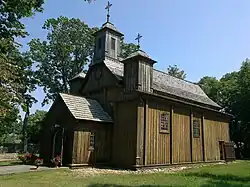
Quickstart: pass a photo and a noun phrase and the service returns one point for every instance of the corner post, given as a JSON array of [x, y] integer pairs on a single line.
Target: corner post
[[145, 132], [171, 133], [191, 135], [202, 131]]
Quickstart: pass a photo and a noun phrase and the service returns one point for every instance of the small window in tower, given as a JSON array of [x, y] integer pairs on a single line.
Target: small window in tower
[[112, 43], [164, 122], [99, 43]]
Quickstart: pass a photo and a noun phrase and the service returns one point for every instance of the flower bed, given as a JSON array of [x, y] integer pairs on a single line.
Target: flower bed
[[30, 159], [56, 161]]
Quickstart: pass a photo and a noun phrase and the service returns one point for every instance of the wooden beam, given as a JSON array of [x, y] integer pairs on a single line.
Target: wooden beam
[[171, 134], [140, 133], [191, 135], [145, 132], [202, 138]]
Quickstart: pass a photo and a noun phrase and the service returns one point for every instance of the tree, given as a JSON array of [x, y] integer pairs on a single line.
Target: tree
[[9, 84], [29, 85], [67, 50], [232, 92], [10, 126], [127, 48], [11, 12], [211, 86], [34, 126], [176, 72]]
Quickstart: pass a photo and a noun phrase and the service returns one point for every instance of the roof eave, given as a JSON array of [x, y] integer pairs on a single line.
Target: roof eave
[[184, 102]]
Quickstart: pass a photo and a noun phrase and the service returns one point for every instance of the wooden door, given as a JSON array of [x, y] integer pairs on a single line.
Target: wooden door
[[222, 152]]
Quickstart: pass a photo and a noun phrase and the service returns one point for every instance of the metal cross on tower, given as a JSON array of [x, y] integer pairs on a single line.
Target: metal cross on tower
[[108, 8], [138, 40]]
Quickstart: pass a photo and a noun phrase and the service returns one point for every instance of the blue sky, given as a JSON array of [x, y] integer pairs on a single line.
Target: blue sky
[[209, 37]]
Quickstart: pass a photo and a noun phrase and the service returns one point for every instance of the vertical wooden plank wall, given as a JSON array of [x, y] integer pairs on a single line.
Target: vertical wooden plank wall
[[158, 144], [197, 149], [214, 130], [103, 145], [81, 151], [140, 156], [181, 136], [124, 134], [185, 148], [145, 72], [130, 76]]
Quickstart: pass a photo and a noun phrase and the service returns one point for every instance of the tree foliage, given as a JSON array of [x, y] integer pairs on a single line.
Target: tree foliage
[[65, 53], [34, 126], [211, 87], [9, 83], [127, 48], [11, 12], [176, 72], [232, 92]]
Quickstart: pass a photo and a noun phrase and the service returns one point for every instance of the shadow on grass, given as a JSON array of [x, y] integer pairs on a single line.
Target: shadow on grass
[[223, 184], [208, 184], [227, 177], [117, 185]]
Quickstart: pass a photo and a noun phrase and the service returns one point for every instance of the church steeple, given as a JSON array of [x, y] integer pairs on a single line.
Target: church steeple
[[107, 41]]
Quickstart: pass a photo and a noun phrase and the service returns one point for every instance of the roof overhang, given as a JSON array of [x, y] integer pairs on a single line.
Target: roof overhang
[[184, 102]]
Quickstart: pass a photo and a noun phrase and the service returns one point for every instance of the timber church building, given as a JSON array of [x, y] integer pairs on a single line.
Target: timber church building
[[124, 113]]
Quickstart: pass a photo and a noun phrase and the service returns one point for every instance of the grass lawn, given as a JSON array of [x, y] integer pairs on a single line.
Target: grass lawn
[[9, 163], [231, 175]]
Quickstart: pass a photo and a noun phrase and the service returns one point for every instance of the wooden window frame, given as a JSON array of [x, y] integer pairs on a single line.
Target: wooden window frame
[[92, 140], [195, 126], [166, 123], [113, 43]]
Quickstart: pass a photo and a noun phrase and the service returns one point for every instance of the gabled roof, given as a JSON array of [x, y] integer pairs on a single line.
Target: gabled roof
[[108, 26], [84, 108], [162, 82]]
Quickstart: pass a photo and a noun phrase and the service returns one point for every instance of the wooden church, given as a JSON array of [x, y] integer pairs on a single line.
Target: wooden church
[[124, 113]]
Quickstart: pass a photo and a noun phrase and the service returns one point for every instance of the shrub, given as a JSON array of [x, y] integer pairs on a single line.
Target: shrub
[[38, 162], [27, 158], [56, 161]]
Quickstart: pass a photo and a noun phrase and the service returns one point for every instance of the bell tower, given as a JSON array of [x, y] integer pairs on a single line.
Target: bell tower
[[107, 41]]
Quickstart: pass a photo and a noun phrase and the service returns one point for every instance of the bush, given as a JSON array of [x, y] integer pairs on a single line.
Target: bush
[[56, 161], [27, 158], [38, 162]]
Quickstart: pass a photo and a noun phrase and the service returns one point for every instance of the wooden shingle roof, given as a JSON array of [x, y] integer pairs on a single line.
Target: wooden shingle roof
[[162, 82], [85, 109]]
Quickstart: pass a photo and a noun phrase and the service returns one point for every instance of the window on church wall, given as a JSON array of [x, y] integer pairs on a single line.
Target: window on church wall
[[164, 122], [196, 128], [92, 140], [113, 43]]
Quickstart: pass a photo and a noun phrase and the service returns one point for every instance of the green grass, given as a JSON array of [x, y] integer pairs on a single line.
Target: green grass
[[230, 175], [9, 163]]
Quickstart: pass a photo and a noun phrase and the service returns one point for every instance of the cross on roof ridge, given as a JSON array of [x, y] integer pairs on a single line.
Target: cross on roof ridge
[[108, 8], [138, 40]]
